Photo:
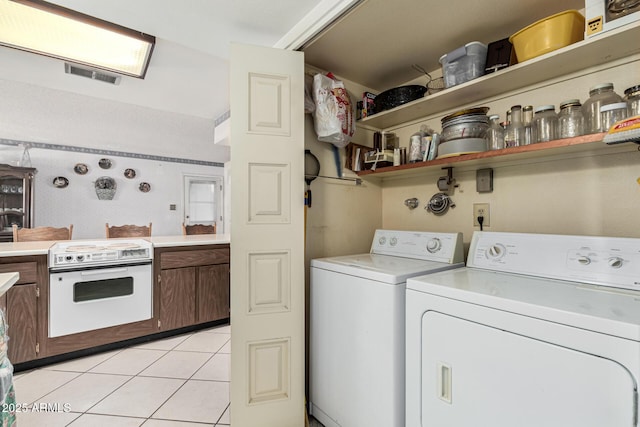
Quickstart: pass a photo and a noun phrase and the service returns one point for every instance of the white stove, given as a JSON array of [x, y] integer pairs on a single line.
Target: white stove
[[99, 284], [536, 330], [65, 255]]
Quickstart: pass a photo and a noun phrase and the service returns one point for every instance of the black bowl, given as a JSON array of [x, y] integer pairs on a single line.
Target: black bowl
[[397, 96]]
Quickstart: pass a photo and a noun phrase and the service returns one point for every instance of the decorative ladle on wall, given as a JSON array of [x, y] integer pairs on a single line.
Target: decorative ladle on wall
[[311, 171]]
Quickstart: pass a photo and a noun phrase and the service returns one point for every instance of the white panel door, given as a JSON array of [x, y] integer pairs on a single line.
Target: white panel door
[[477, 375], [267, 248]]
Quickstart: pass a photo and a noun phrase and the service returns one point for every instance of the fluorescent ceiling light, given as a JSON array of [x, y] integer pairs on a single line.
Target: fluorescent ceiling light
[[47, 29]]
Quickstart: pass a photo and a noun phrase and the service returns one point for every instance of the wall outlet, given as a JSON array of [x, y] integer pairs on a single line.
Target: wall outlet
[[481, 209]]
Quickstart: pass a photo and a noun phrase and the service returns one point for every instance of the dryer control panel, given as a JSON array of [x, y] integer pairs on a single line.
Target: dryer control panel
[[607, 261], [431, 246]]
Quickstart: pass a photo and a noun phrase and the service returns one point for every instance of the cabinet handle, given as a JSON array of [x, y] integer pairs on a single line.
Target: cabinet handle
[[444, 382]]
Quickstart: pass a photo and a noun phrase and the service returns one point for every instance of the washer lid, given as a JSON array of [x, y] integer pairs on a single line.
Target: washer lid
[[382, 268], [596, 308]]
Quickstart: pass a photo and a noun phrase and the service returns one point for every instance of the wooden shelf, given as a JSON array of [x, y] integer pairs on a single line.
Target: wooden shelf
[[581, 146], [610, 46]]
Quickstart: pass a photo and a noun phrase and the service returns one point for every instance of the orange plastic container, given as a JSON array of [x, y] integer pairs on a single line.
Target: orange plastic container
[[549, 34]]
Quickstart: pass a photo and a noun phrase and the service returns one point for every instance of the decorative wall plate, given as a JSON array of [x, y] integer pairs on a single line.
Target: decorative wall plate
[[105, 163], [145, 187], [130, 173], [105, 188], [81, 169], [60, 182]]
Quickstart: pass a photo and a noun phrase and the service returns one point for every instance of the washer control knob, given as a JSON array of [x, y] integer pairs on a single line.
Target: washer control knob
[[434, 245], [615, 262], [382, 240], [584, 260], [496, 251]]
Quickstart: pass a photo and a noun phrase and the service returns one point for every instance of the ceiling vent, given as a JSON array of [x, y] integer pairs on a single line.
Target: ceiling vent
[[91, 74]]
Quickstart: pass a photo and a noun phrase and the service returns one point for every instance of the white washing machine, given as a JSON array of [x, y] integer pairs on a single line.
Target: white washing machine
[[537, 330], [357, 312]]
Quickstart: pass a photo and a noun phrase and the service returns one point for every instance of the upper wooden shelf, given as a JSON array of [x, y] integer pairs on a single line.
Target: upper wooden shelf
[[581, 146], [610, 46]]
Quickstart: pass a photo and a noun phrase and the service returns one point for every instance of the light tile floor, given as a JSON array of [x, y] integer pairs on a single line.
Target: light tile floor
[[182, 381]]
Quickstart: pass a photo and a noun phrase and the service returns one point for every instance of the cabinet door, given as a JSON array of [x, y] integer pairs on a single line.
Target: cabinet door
[[177, 297], [213, 293], [21, 315]]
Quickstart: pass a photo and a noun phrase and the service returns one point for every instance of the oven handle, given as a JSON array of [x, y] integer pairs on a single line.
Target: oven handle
[[103, 272], [100, 267]]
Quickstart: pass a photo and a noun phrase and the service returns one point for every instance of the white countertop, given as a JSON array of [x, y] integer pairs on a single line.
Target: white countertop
[[42, 248], [7, 280]]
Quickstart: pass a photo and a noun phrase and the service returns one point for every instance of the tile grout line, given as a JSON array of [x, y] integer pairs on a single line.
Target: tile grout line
[[80, 373]]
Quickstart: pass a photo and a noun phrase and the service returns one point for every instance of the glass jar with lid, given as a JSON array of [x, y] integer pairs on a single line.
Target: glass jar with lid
[[632, 96], [570, 119], [611, 113], [495, 133], [599, 95], [545, 124]]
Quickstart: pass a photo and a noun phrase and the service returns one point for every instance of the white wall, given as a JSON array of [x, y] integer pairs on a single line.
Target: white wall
[[79, 205], [33, 113], [91, 127]]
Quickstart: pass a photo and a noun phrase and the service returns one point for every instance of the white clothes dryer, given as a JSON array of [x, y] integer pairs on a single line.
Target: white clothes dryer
[[357, 312], [537, 330]]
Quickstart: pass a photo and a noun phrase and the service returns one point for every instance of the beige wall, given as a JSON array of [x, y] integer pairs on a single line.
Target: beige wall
[[343, 215], [592, 195]]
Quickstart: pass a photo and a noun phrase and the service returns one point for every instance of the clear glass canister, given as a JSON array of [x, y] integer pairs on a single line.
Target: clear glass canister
[[570, 119], [527, 121], [495, 133], [514, 133], [611, 113], [632, 96], [545, 124], [599, 95]]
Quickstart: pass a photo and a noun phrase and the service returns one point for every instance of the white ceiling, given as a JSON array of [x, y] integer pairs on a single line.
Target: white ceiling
[[377, 43], [373, 45], [188, 72]]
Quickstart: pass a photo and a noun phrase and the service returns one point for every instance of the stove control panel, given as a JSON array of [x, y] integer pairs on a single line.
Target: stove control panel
[[72, 255], [443, 247], [607, 261]]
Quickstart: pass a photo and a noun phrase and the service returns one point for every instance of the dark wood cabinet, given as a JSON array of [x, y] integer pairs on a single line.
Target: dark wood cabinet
[[213, 293], [22, 320], [24, 311], [192, 286], [16, 199], [177, 297]]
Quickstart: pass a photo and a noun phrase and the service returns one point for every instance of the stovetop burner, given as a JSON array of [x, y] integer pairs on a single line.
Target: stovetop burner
[[94, 253]]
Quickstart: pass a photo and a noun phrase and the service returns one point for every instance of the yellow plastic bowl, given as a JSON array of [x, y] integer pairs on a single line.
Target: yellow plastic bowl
[[549, 34]]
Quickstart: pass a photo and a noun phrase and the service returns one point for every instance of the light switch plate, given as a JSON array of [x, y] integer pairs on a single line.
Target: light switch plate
[[484, 180]]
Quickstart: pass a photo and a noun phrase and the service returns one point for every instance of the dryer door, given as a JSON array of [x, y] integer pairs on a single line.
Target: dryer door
[[474, 374]]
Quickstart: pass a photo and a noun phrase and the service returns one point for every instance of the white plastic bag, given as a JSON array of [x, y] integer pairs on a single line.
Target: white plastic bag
[[333, 116]]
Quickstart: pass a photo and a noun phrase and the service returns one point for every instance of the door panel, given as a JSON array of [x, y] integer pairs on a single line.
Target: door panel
[[267, 267], [474, 374]]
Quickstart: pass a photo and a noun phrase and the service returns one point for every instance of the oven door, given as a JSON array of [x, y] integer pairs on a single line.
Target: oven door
[[88, 299]]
